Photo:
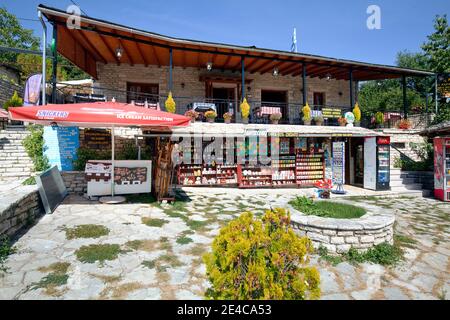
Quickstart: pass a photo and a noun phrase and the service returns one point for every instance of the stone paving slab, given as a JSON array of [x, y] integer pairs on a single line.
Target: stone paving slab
[[164, 262]]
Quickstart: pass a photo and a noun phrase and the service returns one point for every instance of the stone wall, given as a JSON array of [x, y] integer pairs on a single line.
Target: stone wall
[[186, 83], [75, 182], [18, 209], [7, 89], [404, 140], [340, 235]]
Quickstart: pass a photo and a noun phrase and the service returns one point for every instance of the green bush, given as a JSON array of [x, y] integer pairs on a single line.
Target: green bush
[[34, 145], [5, 250], [85, 154], [261, 259], [15, 101]]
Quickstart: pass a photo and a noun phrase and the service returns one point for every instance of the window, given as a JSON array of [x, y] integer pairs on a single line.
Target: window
[[139, 92], [319, 99]]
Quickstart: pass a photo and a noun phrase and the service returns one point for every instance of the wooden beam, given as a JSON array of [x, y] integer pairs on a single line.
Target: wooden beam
[[288, 66], [227, 62], [92, 48], [156, 56], [264, 70], [141, 54], [125, 49], [251, 64], [111, 51], [265, 64]]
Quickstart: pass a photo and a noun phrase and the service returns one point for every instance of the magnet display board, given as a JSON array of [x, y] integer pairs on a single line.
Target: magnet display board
[[131, 176], [338, 163], [370, 163], [51, 189]]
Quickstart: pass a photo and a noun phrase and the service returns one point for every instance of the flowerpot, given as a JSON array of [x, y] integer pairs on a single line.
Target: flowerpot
[[210, 120], [227, 120], [307, 122], [342, 124], [192, 120], [245, 120], [357, 123], [319, 123], [275, 121]]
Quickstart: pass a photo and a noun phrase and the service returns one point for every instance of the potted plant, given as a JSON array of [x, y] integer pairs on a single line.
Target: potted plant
[[306, 115], [324, 187], [275, 117], [191, 114], [318, 120], [342, 121], [357, 114], [210, 115], [170, 104], [245, 110], [404, 124], [227, 117], [379, 119]]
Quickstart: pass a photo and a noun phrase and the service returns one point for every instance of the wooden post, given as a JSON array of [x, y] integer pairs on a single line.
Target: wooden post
[[305, 88]]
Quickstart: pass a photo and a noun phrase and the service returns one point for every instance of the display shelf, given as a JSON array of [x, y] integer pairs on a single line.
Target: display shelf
[[310, 168]]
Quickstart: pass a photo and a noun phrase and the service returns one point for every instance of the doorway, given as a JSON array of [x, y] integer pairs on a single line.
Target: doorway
[[356, 161], [275, 98], [224, 97]]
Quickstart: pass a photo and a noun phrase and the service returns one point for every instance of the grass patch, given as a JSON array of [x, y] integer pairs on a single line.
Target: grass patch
[[98, 252], [86, 231], [5, 250], [405, 241], [154, 222], [56, 278], [164, 244], [184, 240], [144, 245], [151, 264], [196, 224], [384, 254], [327, 209]]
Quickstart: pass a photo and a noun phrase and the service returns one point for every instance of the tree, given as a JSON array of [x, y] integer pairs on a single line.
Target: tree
[[13, 35], [437, 48]]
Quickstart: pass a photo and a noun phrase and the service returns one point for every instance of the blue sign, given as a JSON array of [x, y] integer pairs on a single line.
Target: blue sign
[[61, 145]]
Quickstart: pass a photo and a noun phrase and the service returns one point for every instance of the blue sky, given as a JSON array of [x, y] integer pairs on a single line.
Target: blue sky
[[324, 27]]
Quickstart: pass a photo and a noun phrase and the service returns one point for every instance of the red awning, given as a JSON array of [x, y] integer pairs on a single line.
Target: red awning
[[97, 114], [3, 113]]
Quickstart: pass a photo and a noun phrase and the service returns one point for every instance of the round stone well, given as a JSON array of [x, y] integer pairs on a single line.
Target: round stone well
[[339, 235]]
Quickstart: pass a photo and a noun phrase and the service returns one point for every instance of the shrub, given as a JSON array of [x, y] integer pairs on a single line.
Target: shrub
[[275, 116], [34, 145], [404, 124], [245, 109], [261, 259], [5, 250], [85, 154], [306, 112], [170, 104], [318, 119], [210, 114], [15, 101], [357, 112], [191, 114], [342, 121], [379, 117]]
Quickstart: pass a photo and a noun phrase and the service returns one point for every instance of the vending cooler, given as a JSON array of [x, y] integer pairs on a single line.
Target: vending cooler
[[442, 168], [377, 163]]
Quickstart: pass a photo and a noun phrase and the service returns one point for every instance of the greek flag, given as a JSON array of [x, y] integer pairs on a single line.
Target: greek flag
[[294, 41]]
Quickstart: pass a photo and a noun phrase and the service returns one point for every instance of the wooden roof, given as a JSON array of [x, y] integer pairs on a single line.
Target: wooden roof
[[96, 41]]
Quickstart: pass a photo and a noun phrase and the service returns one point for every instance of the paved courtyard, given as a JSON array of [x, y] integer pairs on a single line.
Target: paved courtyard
[[150, 251]]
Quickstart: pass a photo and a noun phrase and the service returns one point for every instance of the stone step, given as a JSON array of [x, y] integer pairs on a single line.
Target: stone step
[[401, 182], [413, 186]]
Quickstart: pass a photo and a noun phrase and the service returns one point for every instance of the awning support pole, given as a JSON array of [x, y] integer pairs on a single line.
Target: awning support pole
[[170, 69], [112, 161], [55, 61], [44, 56], [305, 88], [243, 76], [405, 104], [352, 97]]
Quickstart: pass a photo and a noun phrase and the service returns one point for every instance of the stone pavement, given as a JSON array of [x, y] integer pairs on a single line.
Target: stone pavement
[[155, 250]]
